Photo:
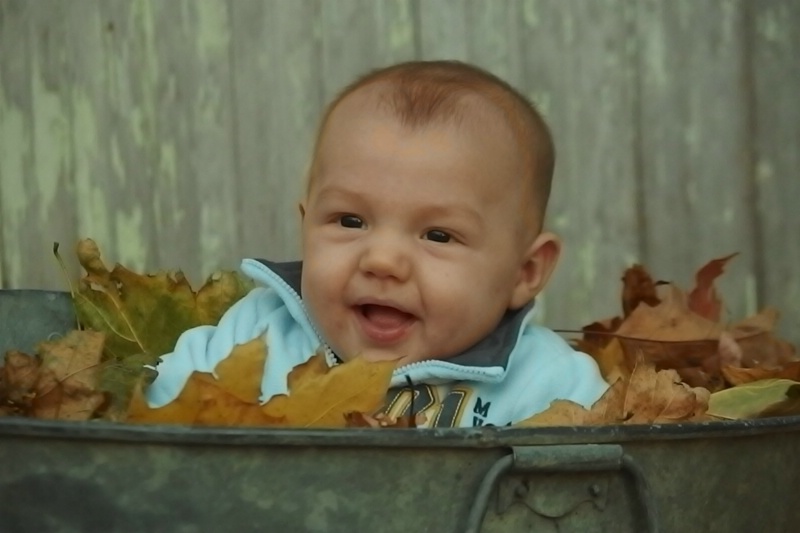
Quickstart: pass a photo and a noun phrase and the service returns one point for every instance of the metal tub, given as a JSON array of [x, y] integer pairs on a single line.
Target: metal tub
[[103, 477]]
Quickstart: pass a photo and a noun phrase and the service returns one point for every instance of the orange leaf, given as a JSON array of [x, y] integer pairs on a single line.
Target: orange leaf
[[703, 298]]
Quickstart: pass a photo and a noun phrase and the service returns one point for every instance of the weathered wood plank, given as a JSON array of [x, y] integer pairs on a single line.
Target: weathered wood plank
[[119, 68], [776, 120], [38, 201], [443, 30], [695, 144], [359, 35], [194, 190], [277, 89], [576, 65]]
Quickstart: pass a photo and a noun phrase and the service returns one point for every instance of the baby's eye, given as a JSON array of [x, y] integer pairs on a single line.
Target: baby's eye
[[437, 235], [351, 221]]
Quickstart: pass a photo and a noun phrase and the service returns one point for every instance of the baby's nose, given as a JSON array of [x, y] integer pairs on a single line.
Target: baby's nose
[[386, 258]]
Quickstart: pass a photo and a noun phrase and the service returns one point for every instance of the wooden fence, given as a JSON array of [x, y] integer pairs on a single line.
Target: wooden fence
[[176, 133]]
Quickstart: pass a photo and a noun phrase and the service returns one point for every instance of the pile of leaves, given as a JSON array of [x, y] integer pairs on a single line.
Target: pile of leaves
[[125, 321], [668, 357]]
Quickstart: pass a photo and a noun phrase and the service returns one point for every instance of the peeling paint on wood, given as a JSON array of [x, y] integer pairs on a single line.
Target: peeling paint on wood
[[177, 134]]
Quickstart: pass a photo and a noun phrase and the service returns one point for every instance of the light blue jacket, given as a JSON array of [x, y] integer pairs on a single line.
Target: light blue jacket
[[515, 372]]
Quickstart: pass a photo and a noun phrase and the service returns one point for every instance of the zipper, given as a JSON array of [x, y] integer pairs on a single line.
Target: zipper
[[330, 357]]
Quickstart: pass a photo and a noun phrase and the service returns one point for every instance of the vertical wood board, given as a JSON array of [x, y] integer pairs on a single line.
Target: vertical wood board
[[776, 85], [696, 145], [577, 67], [277, 99]]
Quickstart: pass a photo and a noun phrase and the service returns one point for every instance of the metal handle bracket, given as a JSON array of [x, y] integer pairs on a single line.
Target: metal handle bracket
[[566, 458]]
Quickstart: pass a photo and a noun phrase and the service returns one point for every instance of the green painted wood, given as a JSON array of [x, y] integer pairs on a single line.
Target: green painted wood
[[277, 100], [577, 66], [361, 35], [695, 145], [178, 134], [37, 158], [775, 72], [194, 192]]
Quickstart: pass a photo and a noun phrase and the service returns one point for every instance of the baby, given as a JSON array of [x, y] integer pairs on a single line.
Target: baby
[[423, 244]]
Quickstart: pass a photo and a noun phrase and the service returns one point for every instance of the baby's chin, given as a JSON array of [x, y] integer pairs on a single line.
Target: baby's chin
[[380, 355]]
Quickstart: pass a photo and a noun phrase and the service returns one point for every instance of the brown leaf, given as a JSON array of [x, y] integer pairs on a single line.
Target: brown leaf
[[597, 335], [703, 298], [611, 360], [19, 376], [659, 396], [67, 387], [671, 336], [670, 320], [637, 287], [739, 376], [760, 347], [75, 359], [647, 396], [730, 352], [55, 401]]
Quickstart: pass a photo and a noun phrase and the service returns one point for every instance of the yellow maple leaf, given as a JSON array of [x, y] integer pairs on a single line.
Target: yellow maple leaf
[[318, 396], [322, 397]]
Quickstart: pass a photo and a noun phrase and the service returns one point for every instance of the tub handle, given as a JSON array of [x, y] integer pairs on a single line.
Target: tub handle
[[567, 458]]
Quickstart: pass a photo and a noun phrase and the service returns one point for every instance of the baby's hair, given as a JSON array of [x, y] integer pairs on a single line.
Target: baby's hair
[[419, 93]]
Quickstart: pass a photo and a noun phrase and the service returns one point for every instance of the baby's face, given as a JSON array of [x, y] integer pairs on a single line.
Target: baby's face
[[412, 239]]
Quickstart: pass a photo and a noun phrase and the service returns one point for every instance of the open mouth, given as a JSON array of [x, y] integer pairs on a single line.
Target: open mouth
[[384, 324]]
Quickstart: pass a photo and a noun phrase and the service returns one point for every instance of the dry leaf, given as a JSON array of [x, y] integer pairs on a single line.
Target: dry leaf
[[760, 347], [647, 396], [143, 315], [703, 298], [637, 288], [739, 376], [18, 382], [61, 383], [611, 360], [324, 399], [659, 396], [318, 396], [230, 399]]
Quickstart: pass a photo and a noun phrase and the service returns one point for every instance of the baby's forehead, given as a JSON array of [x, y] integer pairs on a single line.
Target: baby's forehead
[[467, 113]]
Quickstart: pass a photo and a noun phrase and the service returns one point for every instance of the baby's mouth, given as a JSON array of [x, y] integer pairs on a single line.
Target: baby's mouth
[[384, 324]]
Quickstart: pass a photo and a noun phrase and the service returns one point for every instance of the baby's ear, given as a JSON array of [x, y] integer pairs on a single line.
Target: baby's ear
[[302, 209], [538, 264]]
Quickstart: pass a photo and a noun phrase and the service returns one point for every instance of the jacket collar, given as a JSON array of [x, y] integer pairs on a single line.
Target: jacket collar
[[493, 350]]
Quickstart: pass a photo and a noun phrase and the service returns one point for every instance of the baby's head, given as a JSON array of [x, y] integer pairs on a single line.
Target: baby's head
[[423, 214]]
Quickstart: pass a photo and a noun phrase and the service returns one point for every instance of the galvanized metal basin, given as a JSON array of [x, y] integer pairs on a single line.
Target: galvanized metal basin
[[103, 477]]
